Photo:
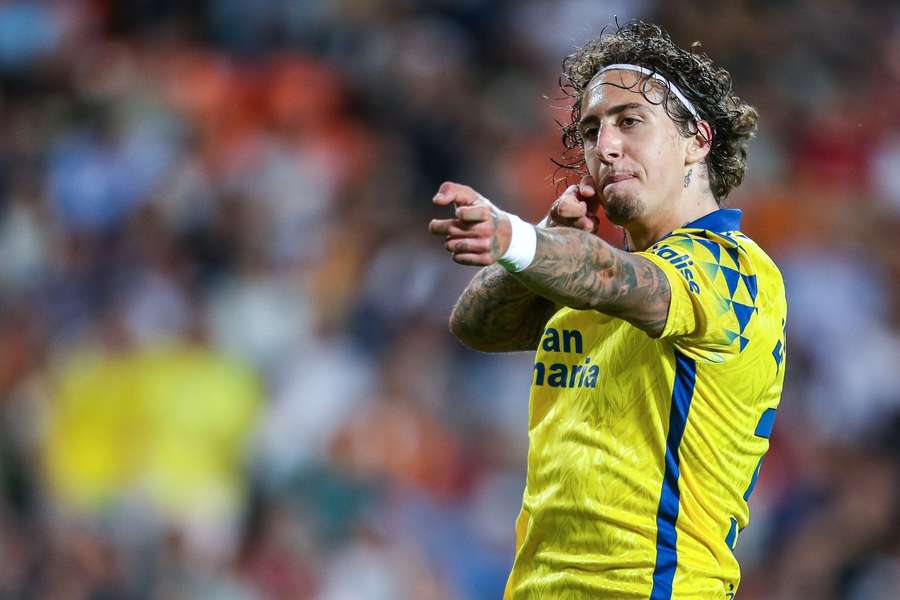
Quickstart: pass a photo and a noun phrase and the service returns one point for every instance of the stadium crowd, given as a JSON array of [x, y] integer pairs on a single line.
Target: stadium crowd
[[225, 369]]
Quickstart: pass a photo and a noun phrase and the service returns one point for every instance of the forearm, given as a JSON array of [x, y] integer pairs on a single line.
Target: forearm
[[575, 269], [497, 313]]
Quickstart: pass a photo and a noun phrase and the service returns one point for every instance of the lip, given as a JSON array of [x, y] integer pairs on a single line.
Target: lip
[[616, 178]]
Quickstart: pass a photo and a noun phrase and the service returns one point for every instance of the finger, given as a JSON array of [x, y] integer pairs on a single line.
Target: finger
[[443, 198], [586, 187], [588, 190], [554, 208], [570, 208], [469, 230], [461, 195], [474, 260], [473, 214], [468, 245], [455, 228], [441, 226], [589, 223]]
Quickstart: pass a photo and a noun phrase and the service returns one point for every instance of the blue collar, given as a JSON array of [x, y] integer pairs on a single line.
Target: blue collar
[[718, 221]]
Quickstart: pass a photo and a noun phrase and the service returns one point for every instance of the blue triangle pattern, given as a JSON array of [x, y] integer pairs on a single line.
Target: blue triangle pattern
[[733, 253], [710, 269], [714, 248], [752, 287], [743, 314], [731, 241], [744, 342], [685, 241], [731, 278], [777, 354]]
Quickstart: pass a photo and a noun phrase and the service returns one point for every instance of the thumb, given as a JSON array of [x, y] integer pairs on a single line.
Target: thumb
[[587, 192]]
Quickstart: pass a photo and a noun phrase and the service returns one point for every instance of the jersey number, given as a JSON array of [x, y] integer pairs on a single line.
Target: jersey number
[[763, 430]]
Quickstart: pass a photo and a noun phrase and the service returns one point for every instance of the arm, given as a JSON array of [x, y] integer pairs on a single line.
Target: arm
[[496, 313], [571, 267], [579, 270]]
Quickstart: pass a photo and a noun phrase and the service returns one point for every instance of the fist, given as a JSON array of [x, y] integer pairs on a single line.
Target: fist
[[577, 207], [480, 232]]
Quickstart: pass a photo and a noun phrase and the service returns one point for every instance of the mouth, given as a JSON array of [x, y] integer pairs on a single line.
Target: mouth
[[615, 178]]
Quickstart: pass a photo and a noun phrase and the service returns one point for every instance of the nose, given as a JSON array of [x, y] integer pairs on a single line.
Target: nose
[[609, 144]]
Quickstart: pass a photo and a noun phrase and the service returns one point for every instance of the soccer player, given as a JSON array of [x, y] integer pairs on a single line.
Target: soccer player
[[658, 370]]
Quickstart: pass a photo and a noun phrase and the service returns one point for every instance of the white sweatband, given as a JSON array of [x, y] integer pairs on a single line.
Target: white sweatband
[[522, 245], [650, 73]]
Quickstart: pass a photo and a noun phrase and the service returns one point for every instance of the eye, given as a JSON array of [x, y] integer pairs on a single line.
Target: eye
[[629, 122], [589, 133]]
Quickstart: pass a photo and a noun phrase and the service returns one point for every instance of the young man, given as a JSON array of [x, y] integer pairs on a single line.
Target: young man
[[658, 370]]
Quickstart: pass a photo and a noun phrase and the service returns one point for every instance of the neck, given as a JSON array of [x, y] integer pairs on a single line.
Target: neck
[[643, 232]]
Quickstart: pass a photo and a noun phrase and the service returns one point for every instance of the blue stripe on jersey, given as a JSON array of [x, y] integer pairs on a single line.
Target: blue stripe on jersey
[[667, 513], [766, 423]]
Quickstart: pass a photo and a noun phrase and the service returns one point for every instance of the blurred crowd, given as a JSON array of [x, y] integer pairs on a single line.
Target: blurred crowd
[[225, 369]]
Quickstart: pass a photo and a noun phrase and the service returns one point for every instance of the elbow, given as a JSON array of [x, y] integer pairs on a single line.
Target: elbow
[[461, 332], [467, 335]]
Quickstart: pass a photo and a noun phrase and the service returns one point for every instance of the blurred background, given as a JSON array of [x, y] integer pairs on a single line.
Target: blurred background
[[225, 369]]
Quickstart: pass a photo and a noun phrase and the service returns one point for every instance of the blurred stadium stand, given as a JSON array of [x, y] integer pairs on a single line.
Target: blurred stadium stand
[[225, 370]]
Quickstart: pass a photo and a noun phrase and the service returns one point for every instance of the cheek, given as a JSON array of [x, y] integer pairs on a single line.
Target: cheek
[[664, 163]]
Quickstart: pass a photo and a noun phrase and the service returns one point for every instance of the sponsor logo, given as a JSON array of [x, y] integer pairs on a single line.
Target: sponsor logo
[[680, 261]]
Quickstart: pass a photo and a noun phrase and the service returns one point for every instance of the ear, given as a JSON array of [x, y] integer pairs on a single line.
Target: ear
[[699, 144]]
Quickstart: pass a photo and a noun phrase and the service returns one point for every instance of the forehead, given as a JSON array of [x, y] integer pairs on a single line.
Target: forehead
[[619, 86]]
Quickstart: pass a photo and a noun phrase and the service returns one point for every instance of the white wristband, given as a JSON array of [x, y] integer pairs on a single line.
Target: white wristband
[[522, 245]]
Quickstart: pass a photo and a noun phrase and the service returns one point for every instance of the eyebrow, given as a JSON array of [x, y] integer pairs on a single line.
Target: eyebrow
[[615, 110]]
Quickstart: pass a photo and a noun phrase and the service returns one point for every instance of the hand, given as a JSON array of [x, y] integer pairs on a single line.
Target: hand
[[577, 207], [479, 234]]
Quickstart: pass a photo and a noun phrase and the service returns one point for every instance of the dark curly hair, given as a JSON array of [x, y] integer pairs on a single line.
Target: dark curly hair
[[708, 87]]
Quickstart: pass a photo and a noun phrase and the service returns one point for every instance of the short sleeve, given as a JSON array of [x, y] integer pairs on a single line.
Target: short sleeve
[[713, 293]]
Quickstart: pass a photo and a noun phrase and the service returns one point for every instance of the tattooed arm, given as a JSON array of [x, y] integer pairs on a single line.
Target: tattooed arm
[[579, 270], [572, 267], [496, 313]]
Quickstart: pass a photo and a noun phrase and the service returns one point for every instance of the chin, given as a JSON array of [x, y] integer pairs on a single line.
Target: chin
[[622, 209]]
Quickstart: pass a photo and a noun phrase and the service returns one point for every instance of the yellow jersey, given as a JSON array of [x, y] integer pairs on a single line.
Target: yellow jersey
[[643, 452]]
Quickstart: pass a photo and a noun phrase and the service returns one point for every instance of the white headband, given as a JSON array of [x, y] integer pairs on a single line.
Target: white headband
[[649, 73]]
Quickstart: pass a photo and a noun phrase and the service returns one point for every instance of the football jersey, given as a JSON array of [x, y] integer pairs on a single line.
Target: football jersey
[[643, 452]]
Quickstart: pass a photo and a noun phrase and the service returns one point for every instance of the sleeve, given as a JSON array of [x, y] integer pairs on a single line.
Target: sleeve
[[711, 304]]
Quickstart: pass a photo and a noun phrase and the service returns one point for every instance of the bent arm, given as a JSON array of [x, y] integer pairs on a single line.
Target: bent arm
[[496, 313], [579, 270]]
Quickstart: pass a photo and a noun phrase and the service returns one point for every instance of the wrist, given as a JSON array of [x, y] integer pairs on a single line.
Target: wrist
[[522, 245]]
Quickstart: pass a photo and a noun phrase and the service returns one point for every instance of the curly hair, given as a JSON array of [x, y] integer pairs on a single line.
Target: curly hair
[[708, 87]]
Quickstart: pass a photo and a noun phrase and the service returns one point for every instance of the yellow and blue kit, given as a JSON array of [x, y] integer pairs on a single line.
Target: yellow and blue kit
[[643, 452]]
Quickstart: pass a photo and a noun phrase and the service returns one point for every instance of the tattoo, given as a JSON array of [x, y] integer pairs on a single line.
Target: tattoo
[[579, 270], [496, 313], [687, 177], [495, 243]]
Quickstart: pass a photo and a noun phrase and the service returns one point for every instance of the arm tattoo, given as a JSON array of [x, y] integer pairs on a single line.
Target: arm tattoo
[[496, 313], [579, 270]]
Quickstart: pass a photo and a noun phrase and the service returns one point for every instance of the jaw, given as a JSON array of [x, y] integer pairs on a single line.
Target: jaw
[[622, 208]]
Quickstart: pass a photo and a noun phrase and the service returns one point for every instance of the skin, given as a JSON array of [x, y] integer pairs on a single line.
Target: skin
[[651, 180]]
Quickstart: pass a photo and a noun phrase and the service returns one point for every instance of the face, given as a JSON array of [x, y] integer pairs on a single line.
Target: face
[[632, 148]]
